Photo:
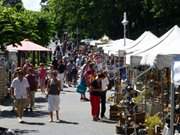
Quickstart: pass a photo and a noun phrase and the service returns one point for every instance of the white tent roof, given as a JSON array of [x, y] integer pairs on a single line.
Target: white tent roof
[[168, 44], [94, 42], [104, 40], [116, 45], [142, 43]]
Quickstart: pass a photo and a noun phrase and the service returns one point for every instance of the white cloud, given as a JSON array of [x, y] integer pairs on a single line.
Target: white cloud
[[32, 4]]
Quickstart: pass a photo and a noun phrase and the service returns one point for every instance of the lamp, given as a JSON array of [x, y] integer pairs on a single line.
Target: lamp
[[124, 22]]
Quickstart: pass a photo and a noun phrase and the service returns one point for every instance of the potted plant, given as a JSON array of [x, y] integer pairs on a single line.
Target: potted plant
[[151, 122]]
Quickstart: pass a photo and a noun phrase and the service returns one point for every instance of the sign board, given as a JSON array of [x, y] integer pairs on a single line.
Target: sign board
[[175, 78], [163, 61], [176, 71], [135, 60], [121, 53]]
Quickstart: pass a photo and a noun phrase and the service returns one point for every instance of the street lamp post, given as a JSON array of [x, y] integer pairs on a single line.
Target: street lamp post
[[124, 22]]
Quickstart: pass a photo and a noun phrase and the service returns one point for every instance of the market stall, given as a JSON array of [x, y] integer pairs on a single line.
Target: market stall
[[145, 41], [151, 90], [116, 45], [26, 46]]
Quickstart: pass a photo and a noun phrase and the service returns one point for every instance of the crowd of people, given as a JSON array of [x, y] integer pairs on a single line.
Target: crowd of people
[[95, 72], [85, 70], [26, 82]]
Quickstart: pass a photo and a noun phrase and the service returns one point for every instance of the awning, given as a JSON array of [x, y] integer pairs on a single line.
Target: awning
[[27, 45]]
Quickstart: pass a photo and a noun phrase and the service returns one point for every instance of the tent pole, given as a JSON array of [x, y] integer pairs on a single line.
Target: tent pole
[[172, 100], [38, 57], [19, 58], [33, 61]]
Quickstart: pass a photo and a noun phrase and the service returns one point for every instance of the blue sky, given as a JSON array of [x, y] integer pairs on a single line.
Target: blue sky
[[32, 4]]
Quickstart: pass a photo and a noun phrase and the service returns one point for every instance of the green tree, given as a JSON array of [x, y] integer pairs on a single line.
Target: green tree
[[44, 28], [96, 17], [16, 25], [11, 26]]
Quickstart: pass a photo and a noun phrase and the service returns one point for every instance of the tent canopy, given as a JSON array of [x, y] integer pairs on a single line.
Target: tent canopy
[[102, 41], [168, 44], [116, 45], [26, 45], [145, 41]]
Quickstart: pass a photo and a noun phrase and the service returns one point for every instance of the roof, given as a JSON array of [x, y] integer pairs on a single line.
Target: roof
[[145, 41], [116, 45], [168, 44], [26, 45]]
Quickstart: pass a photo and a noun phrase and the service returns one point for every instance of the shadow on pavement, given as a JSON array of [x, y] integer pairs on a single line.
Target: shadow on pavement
[[7, 114], [68, 122], [33, 123], [108, 121], [35, 114], [7, 131], [40, 100], [25, 131], [12, 114]]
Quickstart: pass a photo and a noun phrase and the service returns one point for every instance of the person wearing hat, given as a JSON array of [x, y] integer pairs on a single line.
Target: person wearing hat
[[20, 93]]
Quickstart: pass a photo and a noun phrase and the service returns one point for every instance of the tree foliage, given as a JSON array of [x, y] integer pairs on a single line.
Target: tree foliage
[[17, 24], [92, 19], [97, 17]]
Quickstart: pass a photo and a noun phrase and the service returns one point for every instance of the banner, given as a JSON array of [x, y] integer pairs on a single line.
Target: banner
[[135, 60]]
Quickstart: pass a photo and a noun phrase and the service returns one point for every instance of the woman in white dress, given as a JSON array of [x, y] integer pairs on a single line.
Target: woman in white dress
[[53, 89]]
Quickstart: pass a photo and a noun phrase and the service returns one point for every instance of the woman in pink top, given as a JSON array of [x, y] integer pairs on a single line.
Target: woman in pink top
[[42, 77]]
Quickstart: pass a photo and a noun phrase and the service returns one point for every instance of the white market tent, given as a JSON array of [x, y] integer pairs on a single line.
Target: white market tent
[[168, 44], [94, 42], [103, 40], [116, 45], [142, 43]]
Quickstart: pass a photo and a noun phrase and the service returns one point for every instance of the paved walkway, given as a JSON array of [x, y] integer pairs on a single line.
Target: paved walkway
[[75, 118]]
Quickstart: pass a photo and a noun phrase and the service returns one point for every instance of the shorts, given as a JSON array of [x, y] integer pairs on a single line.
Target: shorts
[[20, 103]]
